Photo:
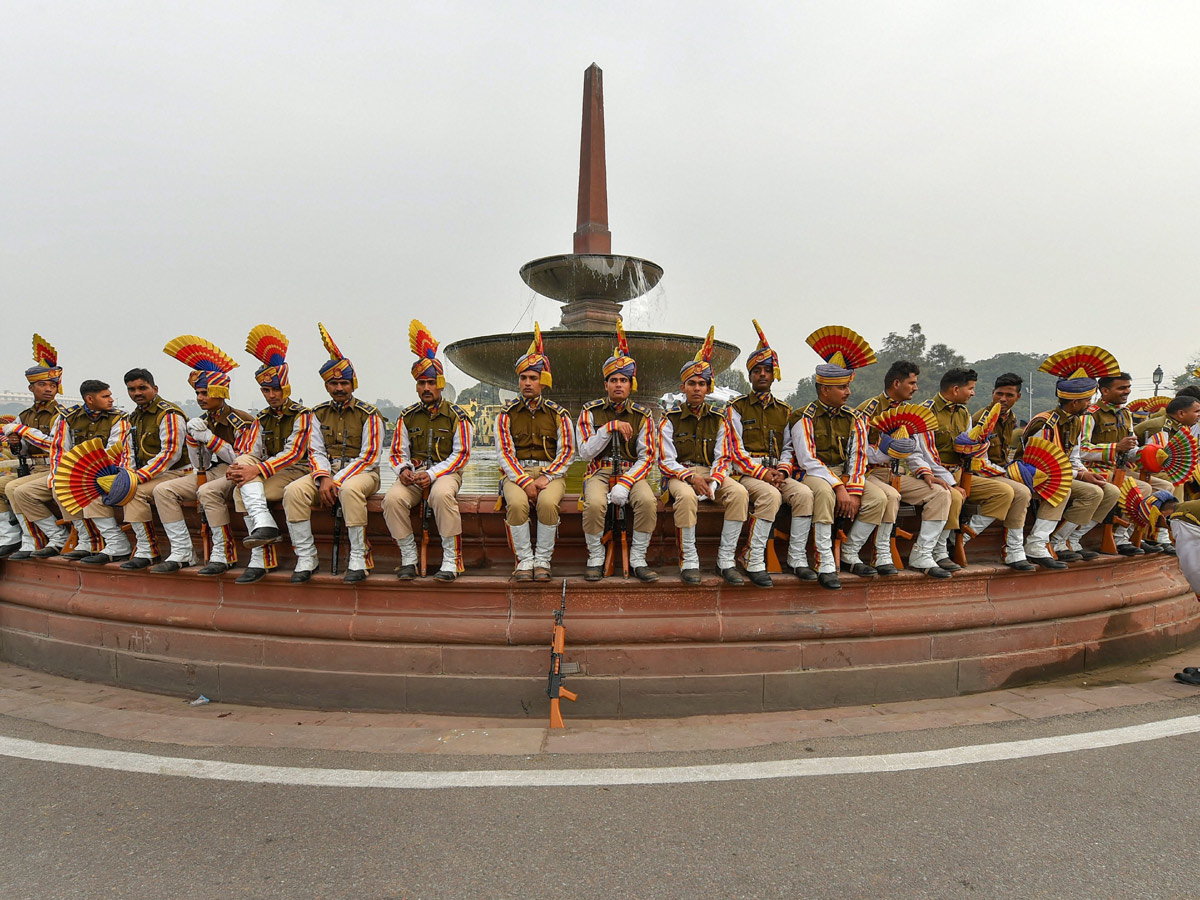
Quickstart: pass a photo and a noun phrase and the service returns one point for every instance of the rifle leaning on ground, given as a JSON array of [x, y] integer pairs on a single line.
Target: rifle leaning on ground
[[339, 517], [966, 472], [426, 509], [614, 516], [201, 481], [559, 669]]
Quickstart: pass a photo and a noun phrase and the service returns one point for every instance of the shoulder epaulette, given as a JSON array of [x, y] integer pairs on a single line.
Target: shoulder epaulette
[[460, 412], [514, 403], [639, 407], [324, 405], [554, 407], [239, 418], [366, 407], [72, 409], [593, 404], [411, 409], [676, 407], [738, 399], [1094, 407], [717, 407], [870, 407]]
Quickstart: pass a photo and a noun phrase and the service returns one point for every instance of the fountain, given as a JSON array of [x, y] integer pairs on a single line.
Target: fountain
[[591, 283]]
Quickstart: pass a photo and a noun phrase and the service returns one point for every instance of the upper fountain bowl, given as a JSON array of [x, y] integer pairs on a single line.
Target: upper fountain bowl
[[591, 276]]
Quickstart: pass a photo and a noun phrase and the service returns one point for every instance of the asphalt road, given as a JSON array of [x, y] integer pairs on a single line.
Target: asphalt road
[[1107, 823]]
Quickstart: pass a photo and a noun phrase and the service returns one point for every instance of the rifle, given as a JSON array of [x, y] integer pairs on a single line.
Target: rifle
[[964, 481], [614, 518], [426, 509], [559, 669], [339, 517], [201, 480]]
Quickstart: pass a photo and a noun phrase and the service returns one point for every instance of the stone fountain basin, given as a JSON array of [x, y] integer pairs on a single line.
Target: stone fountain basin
[[585, 276], [577, 360]]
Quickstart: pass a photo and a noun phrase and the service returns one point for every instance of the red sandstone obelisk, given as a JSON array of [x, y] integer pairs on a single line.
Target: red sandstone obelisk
[[591, 222]]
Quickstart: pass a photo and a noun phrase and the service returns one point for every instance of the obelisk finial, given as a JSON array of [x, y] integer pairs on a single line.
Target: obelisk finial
[[591, 227]]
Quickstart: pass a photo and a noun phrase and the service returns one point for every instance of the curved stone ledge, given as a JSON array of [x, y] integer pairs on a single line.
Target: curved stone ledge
[[479, 645]]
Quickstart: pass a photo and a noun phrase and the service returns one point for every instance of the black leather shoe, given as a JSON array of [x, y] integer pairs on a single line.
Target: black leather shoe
[[690, 576], [1048, 562], [260, 536], [77, 555], [138, 562], [541, 573], [443, 575], [593, 573], [1129, 550], [251, 575], [1022, 565], [9, 549], [645, 573], [102, 559], [886, 570], [804, 573], [948, 564], [353, 575], [1168, 549], [523, 575], [20, 554], [829, 581], [861, 569], [760, 579], [168, 565], [406, 573], [302, 577], [1086, 554], [935, 572], [213, 568], [1068, 555], [732, 576], [46, 552]]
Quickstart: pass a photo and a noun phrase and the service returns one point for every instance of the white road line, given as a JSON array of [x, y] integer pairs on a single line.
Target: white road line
[[787, 768]]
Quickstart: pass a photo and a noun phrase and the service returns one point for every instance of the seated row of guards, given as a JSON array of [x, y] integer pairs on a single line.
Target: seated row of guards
[[842, 471]]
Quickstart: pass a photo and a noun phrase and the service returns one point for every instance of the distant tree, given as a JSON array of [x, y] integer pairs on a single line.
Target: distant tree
[[904, 346], [804, 394], [734, 379], [1184, 378]]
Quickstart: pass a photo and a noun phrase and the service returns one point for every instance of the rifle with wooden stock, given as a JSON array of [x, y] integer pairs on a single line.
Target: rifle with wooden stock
[[426, 509], [339, 516], [559, 670], [614, 517]]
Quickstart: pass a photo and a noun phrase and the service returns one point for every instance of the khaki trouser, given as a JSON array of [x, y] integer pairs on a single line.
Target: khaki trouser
[[995, 497], [213, 497], [31, 497], [137, 509], [170, 495], [299, 496], [11, 477], [274, 486], [595, 504], [1022, 497], [1086, 503], [685, 503], [516, 501], [765, 498], [933, 501], [871, 506], [400, 499]]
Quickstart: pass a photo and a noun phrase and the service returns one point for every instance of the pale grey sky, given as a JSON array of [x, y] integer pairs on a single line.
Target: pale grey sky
[[1015, 176]]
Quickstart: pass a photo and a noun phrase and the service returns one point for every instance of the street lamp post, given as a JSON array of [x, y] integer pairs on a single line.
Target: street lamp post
[[1158, 377]]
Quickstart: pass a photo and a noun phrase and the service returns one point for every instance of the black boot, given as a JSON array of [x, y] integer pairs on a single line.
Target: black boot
[[829, 581], [406, 573], [353, 575], [260, 536], [645, 573], [732, 576], [1048, 562], [760, 579], [690, 576], [46, 552], [213, 568], [251, 575], [861, 569], [168, 565]]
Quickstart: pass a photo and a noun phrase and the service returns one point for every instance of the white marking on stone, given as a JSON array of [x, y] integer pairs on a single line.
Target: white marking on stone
[[148, 764]]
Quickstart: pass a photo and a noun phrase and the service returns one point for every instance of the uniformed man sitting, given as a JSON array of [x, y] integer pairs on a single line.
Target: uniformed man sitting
[[1182, 412], [829, 439], [344, 459], [96, 417], [28, 438], [998, 496], [1092, 497], [917, 487], [536, 439], [213, 440], [1106, 443], [430, 447], [617, 423], [279, 445], [691, 438], [758, 444]]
